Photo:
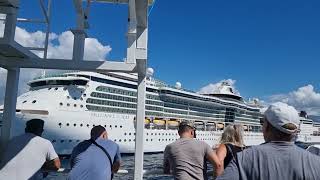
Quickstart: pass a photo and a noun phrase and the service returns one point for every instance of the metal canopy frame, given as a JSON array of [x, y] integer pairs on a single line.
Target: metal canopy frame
[[14, 56]]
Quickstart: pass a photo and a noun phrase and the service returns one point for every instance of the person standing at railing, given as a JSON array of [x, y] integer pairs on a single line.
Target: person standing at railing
[[186, 157], [231, 143], [95, 159], [278, 157], [27, 153]]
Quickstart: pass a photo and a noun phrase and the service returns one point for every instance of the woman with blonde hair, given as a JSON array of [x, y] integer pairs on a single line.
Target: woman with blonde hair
[[231, 142]]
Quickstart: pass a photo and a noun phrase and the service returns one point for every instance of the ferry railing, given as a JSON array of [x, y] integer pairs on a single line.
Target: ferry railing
[[62, 173]]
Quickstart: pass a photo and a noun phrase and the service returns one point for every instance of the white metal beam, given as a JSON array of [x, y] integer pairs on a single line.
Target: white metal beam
[[141, 7], [78, 44], [99, 66], [10, 23], [46, 42], [142, 29], [139, 150], [10, 101], [132, 33]]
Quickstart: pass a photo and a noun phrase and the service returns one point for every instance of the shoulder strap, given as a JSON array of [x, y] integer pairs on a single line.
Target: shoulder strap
[[234, 156], [106, 152], [229, 148]]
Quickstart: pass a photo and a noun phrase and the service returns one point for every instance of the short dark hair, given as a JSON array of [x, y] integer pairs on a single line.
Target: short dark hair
[[34, 126], [184, 128], [96, 131]]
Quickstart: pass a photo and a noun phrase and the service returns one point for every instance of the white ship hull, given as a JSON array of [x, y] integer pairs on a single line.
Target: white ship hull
[[120, 128]]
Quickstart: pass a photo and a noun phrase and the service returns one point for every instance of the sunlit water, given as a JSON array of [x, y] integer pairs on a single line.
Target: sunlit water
[[152, 163]]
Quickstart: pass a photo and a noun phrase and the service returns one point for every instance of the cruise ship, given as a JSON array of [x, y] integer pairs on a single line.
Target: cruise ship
[[72, 103]]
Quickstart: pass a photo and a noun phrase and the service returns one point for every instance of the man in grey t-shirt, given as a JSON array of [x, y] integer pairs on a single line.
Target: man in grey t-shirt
[[278, 158], [186, 157]]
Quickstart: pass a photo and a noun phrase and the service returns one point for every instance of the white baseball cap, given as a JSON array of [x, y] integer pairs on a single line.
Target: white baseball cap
[[279, 114]]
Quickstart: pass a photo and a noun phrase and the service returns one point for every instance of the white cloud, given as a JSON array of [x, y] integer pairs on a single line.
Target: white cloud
[[60, 46], [304, 98], [215, 87]]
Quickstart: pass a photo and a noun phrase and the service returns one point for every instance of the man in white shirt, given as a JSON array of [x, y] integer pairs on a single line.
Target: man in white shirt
[[27, 153]]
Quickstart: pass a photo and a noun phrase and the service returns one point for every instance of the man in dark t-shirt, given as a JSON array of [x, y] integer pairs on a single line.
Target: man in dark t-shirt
[[278, 158]]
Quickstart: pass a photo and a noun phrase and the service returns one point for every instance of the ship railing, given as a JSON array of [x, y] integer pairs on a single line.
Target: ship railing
[[50, 76], [62, 173]]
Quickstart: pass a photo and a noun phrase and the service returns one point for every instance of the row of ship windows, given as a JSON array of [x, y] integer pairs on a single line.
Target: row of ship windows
[[114, 97], [34, 101], [129, 140], [81, 125], [209, 100], [124, 92], [65, 88], [129, 134], [131, 93], [111, 103], [149, 96], [160, 113], [108, 109], [68, 104], [116, 91], [153, 108], [125, 99]]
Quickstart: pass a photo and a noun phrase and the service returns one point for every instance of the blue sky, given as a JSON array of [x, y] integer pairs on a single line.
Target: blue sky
[[269, 47]]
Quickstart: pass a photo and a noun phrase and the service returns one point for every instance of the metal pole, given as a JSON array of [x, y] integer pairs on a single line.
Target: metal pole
[[132, 32], [138, 157], [46, 43], [79, 33], [10, 102], [10, 25], [78, 44]]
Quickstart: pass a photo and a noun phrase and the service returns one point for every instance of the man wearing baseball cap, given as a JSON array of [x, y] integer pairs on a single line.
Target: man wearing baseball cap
[[278, 157], [186, 157]]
